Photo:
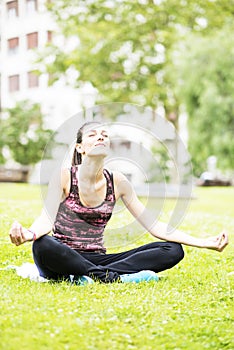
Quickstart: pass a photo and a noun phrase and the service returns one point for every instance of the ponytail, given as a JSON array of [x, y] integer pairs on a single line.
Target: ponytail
[[77, 157]]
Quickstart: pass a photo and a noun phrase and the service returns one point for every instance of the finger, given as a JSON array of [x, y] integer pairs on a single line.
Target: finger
[[220, 238], [225, 239], [16, 233], [225, 236], [15, 239], [16, 226], [223, 242]]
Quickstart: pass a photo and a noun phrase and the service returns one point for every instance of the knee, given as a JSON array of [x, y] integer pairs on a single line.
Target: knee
[[40, 244], [177, 252]]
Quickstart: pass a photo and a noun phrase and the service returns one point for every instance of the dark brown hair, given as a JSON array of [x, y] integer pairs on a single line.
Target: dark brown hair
[[77, 157]]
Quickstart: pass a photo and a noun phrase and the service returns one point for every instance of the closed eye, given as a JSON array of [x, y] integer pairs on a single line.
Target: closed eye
[[93, 133]]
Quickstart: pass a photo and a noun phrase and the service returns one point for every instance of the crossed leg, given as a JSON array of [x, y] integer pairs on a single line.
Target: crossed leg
[[55, 260]]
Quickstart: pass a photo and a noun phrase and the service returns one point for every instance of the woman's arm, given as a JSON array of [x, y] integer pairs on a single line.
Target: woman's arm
[[159, 229], [44, 222]]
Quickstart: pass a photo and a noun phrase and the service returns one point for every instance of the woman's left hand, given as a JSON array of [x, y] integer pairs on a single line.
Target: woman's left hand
[[217, 243]]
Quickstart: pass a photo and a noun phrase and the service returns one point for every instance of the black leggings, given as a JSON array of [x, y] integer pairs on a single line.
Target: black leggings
[[56, 261]]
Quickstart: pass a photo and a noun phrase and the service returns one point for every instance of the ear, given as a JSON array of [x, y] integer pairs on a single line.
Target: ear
[[79, 148]]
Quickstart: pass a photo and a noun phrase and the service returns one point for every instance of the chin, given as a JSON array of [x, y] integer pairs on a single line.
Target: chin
[[99, 151]]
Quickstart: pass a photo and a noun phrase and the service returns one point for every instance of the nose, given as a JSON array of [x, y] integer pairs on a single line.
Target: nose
[[100, 137]]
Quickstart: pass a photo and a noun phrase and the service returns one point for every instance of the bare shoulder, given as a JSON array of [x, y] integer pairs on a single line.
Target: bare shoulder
[[65, 175], [60, 179], [65, 180], [118, 176], [122, 184]]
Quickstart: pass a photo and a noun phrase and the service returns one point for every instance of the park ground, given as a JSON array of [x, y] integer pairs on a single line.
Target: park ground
[[191, 307]]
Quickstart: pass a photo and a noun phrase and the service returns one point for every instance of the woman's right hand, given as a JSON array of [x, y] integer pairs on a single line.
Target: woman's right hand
[[19, 235]]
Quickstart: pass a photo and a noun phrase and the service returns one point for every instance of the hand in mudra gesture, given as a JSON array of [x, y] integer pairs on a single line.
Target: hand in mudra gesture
[[217, 243], [19, 234]]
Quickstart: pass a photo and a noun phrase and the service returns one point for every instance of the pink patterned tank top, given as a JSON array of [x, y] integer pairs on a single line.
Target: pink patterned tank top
[[80, 227]]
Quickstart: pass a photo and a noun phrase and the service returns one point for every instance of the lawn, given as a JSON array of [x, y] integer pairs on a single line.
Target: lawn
[[191, 307]]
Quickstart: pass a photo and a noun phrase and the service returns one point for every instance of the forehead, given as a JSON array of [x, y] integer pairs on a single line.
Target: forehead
[[95, 128]]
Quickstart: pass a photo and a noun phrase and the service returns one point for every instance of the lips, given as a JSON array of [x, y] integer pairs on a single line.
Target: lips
[[100, 144]]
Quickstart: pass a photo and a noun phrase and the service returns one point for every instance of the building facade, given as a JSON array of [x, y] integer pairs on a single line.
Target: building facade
[[25, 29]]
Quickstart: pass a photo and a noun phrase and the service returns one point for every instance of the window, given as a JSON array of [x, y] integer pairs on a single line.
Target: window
[[32, 40], [14, 83], [12, 9], [31, 6], [13, 45], [49, 36], [33, 79]]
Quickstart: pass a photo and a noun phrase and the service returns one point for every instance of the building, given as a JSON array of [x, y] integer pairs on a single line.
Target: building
[[26, 28]]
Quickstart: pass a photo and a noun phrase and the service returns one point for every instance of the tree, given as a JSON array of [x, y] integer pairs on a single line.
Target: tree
[[24, 134], [122, 47], [207, 90], [2, 159]]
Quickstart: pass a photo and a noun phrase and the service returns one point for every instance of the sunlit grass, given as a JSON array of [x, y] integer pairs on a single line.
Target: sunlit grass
[[191, 307]]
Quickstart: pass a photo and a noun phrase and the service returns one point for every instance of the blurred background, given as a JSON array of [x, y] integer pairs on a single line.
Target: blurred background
[[70, 58]]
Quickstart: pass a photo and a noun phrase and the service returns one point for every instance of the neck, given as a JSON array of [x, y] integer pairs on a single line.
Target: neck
[[91, 168]]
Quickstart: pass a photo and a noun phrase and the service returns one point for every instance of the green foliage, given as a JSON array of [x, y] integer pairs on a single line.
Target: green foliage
[[123, 47], [2, 159], [191, 307], [24, 134], [207, 89], [127, 49]]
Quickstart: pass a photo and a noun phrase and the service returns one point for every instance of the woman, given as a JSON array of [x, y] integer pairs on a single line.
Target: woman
[[88, 192]]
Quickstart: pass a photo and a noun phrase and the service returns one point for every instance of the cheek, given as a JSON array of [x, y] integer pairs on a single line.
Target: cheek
[[88, 144]]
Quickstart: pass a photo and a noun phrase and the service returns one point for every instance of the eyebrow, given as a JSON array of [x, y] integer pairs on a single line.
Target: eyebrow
[[94, 130]]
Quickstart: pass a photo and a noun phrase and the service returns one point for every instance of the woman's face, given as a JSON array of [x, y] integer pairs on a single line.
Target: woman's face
[[95, 141]]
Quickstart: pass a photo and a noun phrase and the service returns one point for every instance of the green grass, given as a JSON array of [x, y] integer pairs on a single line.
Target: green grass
[[191, 307]]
